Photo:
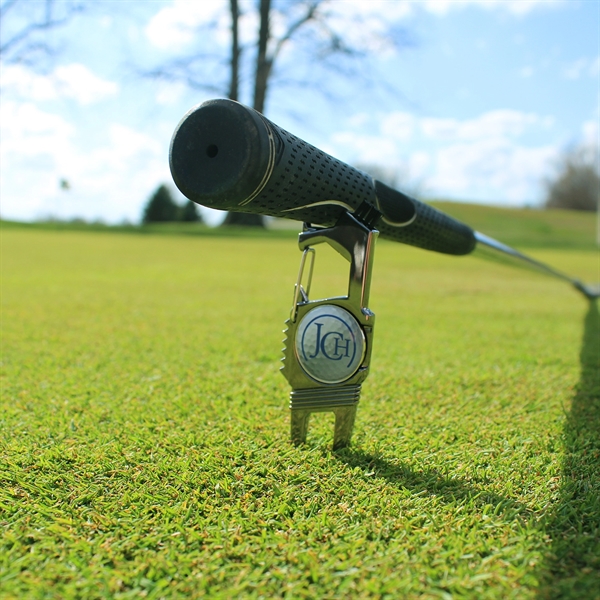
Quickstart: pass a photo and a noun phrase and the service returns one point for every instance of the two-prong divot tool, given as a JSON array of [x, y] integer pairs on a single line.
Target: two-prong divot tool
[[328, 342]]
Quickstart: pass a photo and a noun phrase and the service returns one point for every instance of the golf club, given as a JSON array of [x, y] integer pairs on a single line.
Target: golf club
[[227, 156]]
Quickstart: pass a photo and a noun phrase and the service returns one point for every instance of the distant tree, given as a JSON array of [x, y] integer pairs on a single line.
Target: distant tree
[[189, 213], [576, 185], [386, 175], [236, 218], [161, 207], [398, 178]]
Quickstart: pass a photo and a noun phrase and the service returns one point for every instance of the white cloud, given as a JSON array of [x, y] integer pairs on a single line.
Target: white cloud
[[582, 67], [515, 7], [386, 11], [366, 149], [366, 26], [591, 134], [398, 125], [494, 168], [73, 81], [78, 82], [496, 123], [575, 69], [361, 10], [169, 93], [418, 164], [30, 137], [22, 123], [175, 26], [482, 158], [359, 120], [111, 179]]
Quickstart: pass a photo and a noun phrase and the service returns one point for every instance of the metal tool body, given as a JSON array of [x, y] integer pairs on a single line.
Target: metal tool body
[[328, 343]]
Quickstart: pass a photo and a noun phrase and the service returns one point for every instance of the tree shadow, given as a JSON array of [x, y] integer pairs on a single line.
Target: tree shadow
[[432, 482], [572, 565]]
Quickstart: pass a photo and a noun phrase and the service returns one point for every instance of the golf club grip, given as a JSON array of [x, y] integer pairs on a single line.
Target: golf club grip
[[227, 156]]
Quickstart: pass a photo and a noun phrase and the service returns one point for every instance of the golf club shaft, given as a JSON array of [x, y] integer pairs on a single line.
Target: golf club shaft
[[492, 249]]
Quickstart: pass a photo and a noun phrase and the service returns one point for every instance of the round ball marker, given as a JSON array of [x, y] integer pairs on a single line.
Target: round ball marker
[[330, 344]]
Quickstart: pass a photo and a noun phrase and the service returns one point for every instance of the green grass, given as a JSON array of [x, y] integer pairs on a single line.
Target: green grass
[[171, 228], [144, 427], [554, 228], [560, 229]]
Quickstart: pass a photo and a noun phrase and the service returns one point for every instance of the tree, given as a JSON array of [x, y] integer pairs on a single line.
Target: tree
[[576, 185], [234, 81], [161, 207], [25, 25], [313, 26], [189, 213]]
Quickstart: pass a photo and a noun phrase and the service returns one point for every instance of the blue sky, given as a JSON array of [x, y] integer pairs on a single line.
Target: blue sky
[[477, 107]]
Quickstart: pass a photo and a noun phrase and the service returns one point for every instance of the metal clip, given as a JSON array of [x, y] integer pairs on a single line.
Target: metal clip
[[328, 343], [298, 289]]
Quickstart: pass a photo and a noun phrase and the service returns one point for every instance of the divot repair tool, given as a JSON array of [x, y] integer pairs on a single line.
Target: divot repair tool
[[328, 343]]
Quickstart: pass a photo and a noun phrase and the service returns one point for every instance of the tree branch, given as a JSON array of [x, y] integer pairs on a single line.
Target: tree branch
[[309, 16], [32, 28]]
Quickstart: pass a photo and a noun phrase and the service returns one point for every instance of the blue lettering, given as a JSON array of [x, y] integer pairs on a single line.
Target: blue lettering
[[318, 344]]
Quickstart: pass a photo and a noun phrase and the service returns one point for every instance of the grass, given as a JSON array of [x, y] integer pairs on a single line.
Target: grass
[[145, 446], [554, 228]]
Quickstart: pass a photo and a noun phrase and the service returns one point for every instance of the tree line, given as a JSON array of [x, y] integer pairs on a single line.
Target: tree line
[[161, 208]]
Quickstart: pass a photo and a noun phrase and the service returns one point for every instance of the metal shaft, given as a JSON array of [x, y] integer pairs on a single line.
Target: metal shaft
[[492, 249]]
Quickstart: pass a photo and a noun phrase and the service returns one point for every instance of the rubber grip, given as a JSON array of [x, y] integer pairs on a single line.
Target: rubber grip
[[428, 228], [227, 156]]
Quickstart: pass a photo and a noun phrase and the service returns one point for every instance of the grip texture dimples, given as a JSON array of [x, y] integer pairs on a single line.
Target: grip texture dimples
[[309, 185], [412, 222]]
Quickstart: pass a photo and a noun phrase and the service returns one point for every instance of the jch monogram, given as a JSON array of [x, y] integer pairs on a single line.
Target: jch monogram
[[335, 349], [330, 344]]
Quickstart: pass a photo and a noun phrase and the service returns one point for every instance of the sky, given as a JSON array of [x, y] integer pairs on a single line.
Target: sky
[[476, 103]]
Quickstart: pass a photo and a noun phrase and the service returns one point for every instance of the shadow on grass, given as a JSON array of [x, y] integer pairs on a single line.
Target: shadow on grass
[[432, 482], [572, 566]]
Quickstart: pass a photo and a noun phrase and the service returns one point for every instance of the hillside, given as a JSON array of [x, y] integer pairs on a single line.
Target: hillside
[[528, 227]]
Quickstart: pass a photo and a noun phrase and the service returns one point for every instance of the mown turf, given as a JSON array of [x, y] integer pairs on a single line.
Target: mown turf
[[144, 426], [554, 228]]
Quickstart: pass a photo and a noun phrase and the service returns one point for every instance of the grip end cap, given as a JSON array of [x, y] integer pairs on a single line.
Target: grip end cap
[[219, 154]]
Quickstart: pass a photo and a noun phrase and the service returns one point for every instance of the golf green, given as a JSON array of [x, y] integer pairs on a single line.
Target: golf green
[[145, 429]]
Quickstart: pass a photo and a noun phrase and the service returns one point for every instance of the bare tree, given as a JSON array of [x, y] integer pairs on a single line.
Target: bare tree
[[576, 185], [24, 28], [236, 218], [235, 50], [306, 23]]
